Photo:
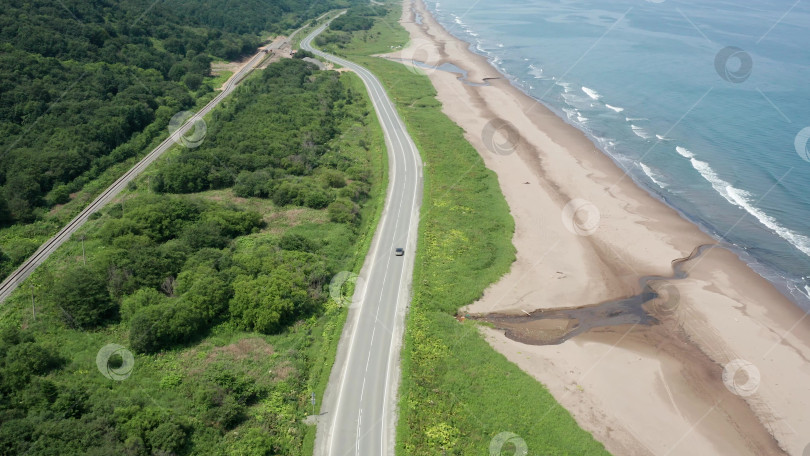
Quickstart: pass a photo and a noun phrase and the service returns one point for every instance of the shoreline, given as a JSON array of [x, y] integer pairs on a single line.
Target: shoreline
[[585, 234], [795, 295]]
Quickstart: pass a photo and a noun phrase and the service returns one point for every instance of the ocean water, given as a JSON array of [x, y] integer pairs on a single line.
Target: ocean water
[[703, 103]]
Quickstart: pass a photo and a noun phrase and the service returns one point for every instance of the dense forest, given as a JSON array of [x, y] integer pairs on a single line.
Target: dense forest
[[213, 269], [357, 18], [79, 79]]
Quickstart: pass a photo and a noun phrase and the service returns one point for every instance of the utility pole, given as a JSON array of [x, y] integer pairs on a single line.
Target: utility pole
[[84, 258]]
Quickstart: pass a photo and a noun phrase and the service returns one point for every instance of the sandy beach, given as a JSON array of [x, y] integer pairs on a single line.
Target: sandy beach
[[724, 371]]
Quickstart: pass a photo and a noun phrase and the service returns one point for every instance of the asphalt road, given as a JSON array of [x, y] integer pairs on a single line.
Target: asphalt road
[[45, 250], [358, 411]]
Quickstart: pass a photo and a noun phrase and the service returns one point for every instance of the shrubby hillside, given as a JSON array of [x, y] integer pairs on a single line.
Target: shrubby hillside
[[87, 84], [213, 270]]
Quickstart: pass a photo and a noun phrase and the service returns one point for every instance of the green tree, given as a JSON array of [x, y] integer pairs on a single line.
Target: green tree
[[205, 291], [343, 211], [81, 295], [142, 298], [267, 302], [167, 438]]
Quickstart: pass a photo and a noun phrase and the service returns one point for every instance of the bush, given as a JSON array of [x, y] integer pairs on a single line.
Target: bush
[[286, 193], [318, 198], [80, 293], [267, 302], [334, 178], [23, 360], [142, 298], [167, 438], [252, 184], [292, 241], [204, 234], [158, 327], [343, 211], [204, 291], [351, 22]]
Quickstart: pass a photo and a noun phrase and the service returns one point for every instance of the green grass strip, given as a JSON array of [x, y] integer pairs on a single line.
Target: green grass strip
[[457, 392]]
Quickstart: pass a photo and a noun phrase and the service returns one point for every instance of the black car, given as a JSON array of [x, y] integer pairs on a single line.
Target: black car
[[399, 251]]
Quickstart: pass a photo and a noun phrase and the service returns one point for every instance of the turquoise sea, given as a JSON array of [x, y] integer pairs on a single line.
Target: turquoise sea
[[706, 104]]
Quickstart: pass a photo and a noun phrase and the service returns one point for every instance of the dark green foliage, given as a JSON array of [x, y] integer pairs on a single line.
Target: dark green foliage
[[81, 294], [288, 159], [357, 18], [265, 303], [301, 54], [163, 218], [166, 438], [145, 297], [204, 234], [157, 327], [293, 241], [172, 266], [80, 79], [351, 23], [21, 357], [344, 211], [276, 289]]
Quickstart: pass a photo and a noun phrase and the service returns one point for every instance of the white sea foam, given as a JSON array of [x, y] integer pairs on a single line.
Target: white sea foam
[[615, 108], [742, 199], [684, 152], [574, 114], [663, 138], [631, 119], [655, 177], [536, 71], [570, 99], [640, 132], [565, 85], [591, 93]]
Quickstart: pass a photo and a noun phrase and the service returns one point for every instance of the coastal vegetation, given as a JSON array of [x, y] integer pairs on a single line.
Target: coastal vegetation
[[89, 86], [210, 273], [457, 392]]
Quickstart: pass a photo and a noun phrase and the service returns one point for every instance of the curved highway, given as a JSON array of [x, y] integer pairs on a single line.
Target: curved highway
[[358, 411]]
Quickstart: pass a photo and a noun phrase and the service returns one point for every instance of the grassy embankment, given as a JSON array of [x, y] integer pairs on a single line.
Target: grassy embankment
[[225, 390], [457, 392]]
